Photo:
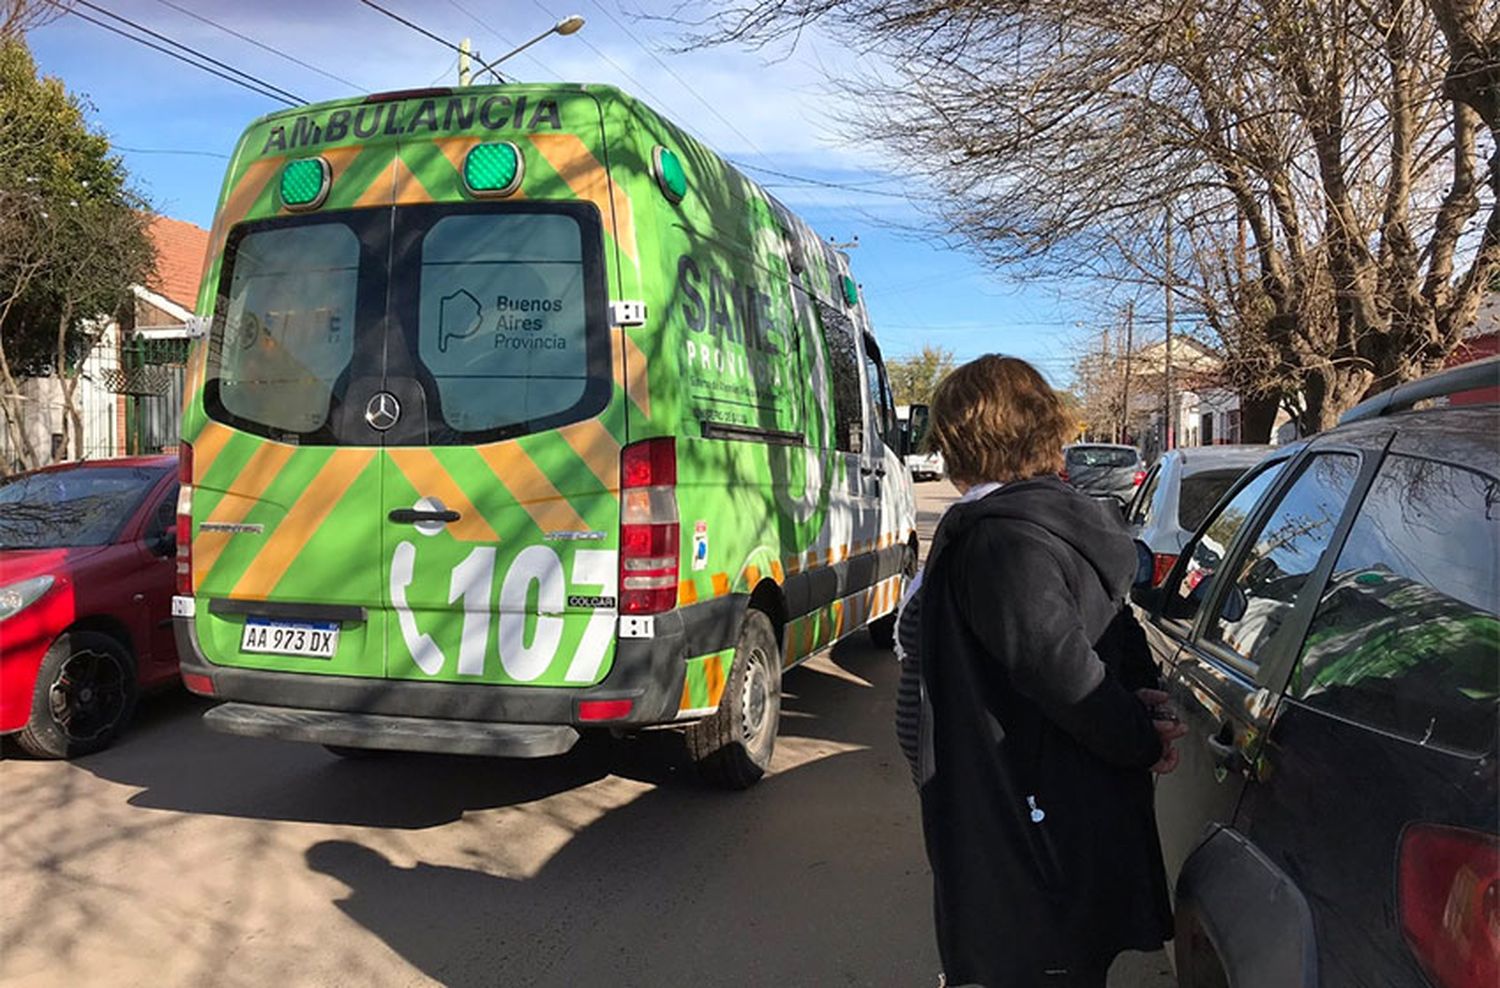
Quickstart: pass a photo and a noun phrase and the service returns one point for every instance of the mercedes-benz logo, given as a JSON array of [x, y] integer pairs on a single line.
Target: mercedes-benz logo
[[383, 411]]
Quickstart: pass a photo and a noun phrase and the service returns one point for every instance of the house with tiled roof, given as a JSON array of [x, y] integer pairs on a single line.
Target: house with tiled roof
[[164, 305], [129, 395]]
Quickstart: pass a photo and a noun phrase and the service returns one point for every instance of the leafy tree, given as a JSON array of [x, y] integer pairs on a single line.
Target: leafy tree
[[915, 378], [72, 239]]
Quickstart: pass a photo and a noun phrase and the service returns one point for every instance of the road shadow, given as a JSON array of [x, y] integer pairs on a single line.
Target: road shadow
[[178, 764], [809, 878]]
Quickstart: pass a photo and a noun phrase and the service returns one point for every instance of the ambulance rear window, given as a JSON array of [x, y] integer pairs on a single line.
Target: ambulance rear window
[[503, 321], [288, 331]]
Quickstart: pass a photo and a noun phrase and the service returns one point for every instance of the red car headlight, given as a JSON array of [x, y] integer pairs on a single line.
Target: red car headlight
[[16, 597]]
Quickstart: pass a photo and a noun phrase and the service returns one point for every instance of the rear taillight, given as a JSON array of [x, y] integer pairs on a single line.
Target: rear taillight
[[1139, 479], [185, 520], [1448, 900], [1161, 565], [649, 543]]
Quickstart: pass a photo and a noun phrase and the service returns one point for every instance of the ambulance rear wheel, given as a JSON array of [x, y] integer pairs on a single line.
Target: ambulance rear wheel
[[733, 748]]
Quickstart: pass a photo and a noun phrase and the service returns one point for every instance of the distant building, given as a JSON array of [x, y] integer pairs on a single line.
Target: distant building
[[130, 390]]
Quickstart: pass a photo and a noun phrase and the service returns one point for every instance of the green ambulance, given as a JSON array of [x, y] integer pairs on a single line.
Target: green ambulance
[[519, 413]]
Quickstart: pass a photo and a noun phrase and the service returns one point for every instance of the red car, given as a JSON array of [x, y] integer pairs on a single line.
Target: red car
[[87, 567]]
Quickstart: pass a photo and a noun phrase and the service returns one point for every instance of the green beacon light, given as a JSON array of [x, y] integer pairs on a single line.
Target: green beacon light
[[493, 169], [305, 182], [851, 290], [669, 174]]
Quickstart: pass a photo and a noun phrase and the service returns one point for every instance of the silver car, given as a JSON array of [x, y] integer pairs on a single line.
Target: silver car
[[1178, 494], [1104, 469]]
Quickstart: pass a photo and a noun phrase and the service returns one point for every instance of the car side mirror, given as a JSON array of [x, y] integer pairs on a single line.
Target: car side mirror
[[163, 543]]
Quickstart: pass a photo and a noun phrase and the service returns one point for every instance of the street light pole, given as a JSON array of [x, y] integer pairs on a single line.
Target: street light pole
[[568, 25]]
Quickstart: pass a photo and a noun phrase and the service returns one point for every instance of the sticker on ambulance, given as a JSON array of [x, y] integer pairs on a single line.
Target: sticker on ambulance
[[312, 639]]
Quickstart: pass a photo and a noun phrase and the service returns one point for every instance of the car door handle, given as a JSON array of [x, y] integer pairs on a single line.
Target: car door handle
[[880, 471], [409, 516], [1221, 748], [866, 471]]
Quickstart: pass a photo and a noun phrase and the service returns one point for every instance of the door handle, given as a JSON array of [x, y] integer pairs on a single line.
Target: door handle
[[880, 471], [866, 471], [1227, 758], [409, 516]]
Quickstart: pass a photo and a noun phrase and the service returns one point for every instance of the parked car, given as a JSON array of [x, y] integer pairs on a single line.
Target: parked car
[[1331, 635], [1104, 469], [924, 464], [87, 570], [1178, 493]]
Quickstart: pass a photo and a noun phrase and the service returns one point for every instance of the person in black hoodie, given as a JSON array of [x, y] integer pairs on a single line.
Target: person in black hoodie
[[1026, 703]]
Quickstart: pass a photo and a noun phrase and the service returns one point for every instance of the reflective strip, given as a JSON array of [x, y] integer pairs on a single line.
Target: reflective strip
[[242, 496], [721, 584], [687, 593], [597, 448], [427, 475], [303, 519], [406, 188], [577, 166], [636, 383], [530, 487], [237, 205], [207, 446]]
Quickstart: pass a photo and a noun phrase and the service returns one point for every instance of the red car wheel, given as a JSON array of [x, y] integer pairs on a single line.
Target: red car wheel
[[85, 693]]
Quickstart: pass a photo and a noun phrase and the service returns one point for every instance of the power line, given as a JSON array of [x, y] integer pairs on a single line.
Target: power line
[[819, 182], [497, 35], [254, 87], [187, 151], [261, 45], [193, 51], [415, 27]]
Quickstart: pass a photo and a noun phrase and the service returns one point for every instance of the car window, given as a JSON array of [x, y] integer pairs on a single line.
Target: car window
[[1102, 456], [1144, 508], [1199, 493], [1206, 552], [164, 517], [79, 506], [1406, 633], [1284, 553]]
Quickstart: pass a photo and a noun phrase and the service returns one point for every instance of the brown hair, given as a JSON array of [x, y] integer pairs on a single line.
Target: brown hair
[[996, 418]]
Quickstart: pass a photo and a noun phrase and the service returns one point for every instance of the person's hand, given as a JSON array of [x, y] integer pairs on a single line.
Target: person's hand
[[1169, 727]]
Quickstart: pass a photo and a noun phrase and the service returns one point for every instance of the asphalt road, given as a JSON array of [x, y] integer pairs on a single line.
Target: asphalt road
[[183, 857]]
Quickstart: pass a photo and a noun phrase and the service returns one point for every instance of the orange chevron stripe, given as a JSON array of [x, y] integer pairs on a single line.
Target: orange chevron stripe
[[530, 487], [425, 472], [588, 180], [380, 193], [597, 448], [687, 593], [713, 674], [302, 520], [207, 446], [248, 189], [243, 494], [637, 385], [407, 189], [455, 149]]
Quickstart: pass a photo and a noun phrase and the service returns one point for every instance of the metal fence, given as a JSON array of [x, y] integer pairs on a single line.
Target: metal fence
[[128, 396]]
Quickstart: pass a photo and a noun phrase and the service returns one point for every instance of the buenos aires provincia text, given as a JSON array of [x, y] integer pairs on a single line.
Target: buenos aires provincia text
[[430, 116]]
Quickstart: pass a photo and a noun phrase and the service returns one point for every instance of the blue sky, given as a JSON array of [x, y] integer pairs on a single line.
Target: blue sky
[[766, 115]]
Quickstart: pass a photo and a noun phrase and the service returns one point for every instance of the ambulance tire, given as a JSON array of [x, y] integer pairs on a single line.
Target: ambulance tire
[[85, 694], [733, 748]]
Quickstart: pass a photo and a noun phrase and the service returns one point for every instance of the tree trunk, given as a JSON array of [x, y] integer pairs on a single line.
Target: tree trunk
[[1329, 393], [13, 403], [1258, 418]]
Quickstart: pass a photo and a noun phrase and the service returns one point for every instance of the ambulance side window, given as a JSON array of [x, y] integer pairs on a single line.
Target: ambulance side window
[[882, 408], [843, 361]]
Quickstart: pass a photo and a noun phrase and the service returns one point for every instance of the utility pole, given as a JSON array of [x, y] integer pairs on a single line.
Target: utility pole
[[1125, 389], [1170, 438], [465, 71]]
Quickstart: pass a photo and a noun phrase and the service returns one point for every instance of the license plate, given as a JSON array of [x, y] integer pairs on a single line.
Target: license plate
[[314, 639]]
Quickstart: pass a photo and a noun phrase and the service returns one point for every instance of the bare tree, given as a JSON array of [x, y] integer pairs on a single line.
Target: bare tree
[[19, 16], [1329, 152]]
